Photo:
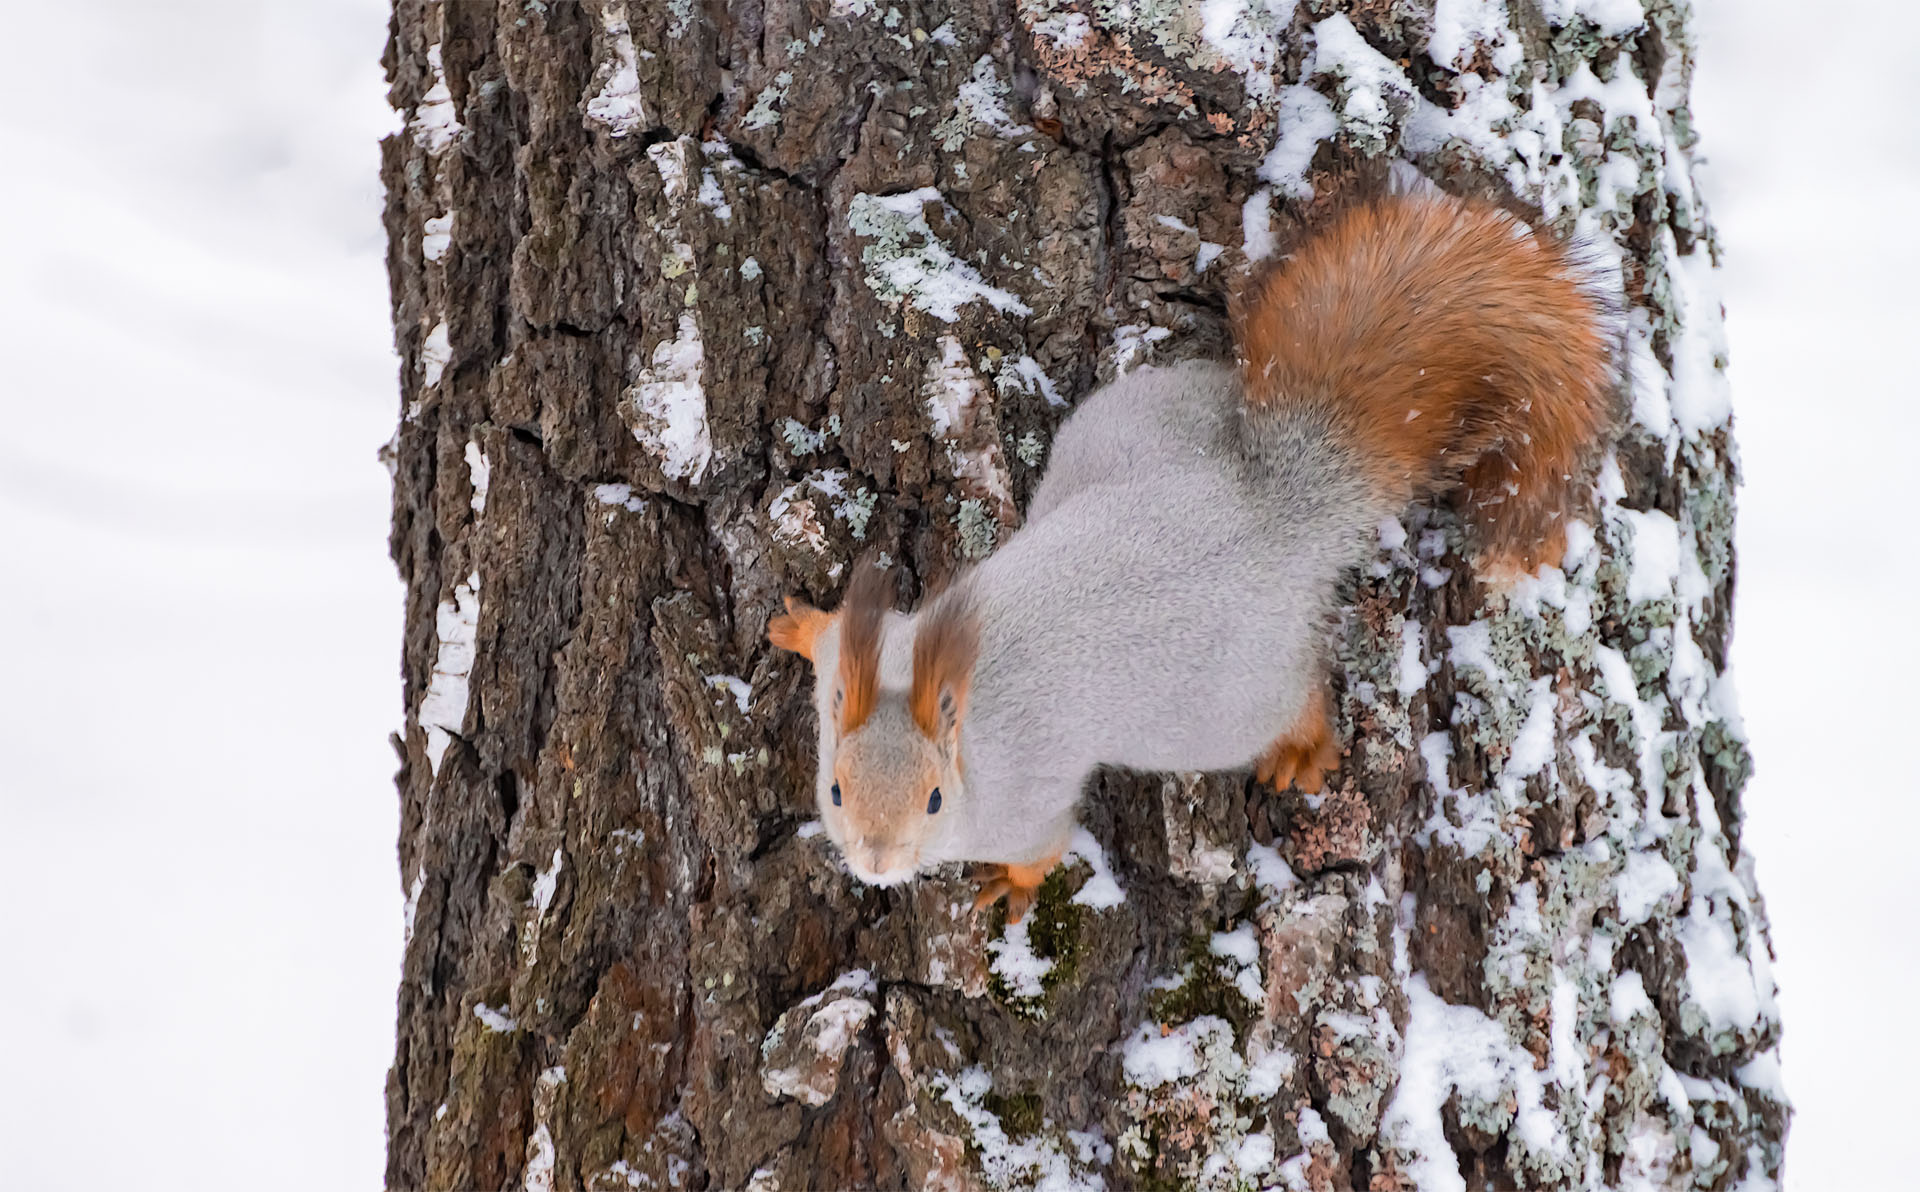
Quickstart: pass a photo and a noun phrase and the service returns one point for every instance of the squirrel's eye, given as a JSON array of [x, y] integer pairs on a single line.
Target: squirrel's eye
[[836, 794], [933, 801]]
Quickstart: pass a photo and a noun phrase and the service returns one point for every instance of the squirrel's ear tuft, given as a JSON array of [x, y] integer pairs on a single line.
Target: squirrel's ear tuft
[[798, 628], [860, 616], [945, 646]]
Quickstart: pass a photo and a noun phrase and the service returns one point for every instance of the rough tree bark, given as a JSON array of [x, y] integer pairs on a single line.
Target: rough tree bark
[[699, 300]]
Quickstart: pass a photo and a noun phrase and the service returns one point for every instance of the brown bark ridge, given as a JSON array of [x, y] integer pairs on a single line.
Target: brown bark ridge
[[698, 300]]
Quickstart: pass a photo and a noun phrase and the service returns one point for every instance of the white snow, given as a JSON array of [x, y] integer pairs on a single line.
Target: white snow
[[980, 102], [951, 387], [618, 106], [545, 881], [715, 200], [1256, 225], [1250, 38], [1268, 1072], [1132, 343], [1016, 963], [670, 407], [670, 160], [1460, 25], [1655, 568], [435, 123], [620, 496], [1643, 885], [926, 275], [1702, 399], [1238, 944], [1254, 1154], [1033, 379], [1411, 673], [494, 1020], [1033, 1162], [1305, 119], [1453, 1050], [1150, 1058], [1763, 1073], [1101, 892], [1612, 18], [1242, 948], [1627, 997], [1472, 646], [1720, 979], [837, 1014], [735, 686], [435, 354], [1271, 873], [480, 472], [436, 235], [1372, 87], [540, 1159], [1616, 674], [1062, 30], [1533, 745], [412, 907], [443, 710]]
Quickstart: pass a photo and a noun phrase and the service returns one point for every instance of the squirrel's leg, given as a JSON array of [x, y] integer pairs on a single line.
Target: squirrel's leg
[[1018, 884], [1305, 754]]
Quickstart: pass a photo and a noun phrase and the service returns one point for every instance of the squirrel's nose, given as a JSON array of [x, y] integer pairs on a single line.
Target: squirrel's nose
[[881, 865]]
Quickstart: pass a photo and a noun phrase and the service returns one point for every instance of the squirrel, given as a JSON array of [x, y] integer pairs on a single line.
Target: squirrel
[[1164, 605]]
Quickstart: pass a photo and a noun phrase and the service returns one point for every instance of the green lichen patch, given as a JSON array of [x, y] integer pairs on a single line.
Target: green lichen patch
[[1043, 951]]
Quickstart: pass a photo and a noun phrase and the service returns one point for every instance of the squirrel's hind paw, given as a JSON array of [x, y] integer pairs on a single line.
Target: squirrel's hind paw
[[1304, 755]]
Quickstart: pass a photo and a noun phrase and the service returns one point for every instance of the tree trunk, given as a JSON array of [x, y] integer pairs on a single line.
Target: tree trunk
[[699, 301]]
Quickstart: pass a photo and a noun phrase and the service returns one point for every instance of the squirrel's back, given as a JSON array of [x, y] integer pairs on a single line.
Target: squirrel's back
[[1443, 341]]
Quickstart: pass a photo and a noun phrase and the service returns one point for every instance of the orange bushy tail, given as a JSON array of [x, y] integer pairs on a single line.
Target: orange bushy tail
[[1445, 342]]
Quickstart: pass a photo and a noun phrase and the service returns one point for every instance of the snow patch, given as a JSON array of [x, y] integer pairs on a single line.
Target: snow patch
[[1017, 965], [906, 262], [435, 354], [1133, 343], [435, 123], [1101, 892], [733, 685], [1458, 1051], [436, 234], [1250, 38], [620, 496], [1271, 873], [1150, 1058], [1305, 119], [479, 472], [1642, 885], [1035, 1161], [443, 710], [668, 407], [617, 106], [951, 388]]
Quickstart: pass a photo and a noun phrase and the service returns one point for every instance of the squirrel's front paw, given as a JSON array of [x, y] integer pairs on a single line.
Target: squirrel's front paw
[[1018, 884], [1305, 754]]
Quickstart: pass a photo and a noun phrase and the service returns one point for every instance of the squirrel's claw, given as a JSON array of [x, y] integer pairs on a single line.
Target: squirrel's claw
[[1304, 755], [1018, 884]]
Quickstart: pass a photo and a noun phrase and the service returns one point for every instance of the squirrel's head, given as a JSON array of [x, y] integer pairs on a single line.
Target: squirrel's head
[[889, 759]]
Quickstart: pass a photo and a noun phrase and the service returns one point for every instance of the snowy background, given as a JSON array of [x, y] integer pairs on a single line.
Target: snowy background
[[201, 930]]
